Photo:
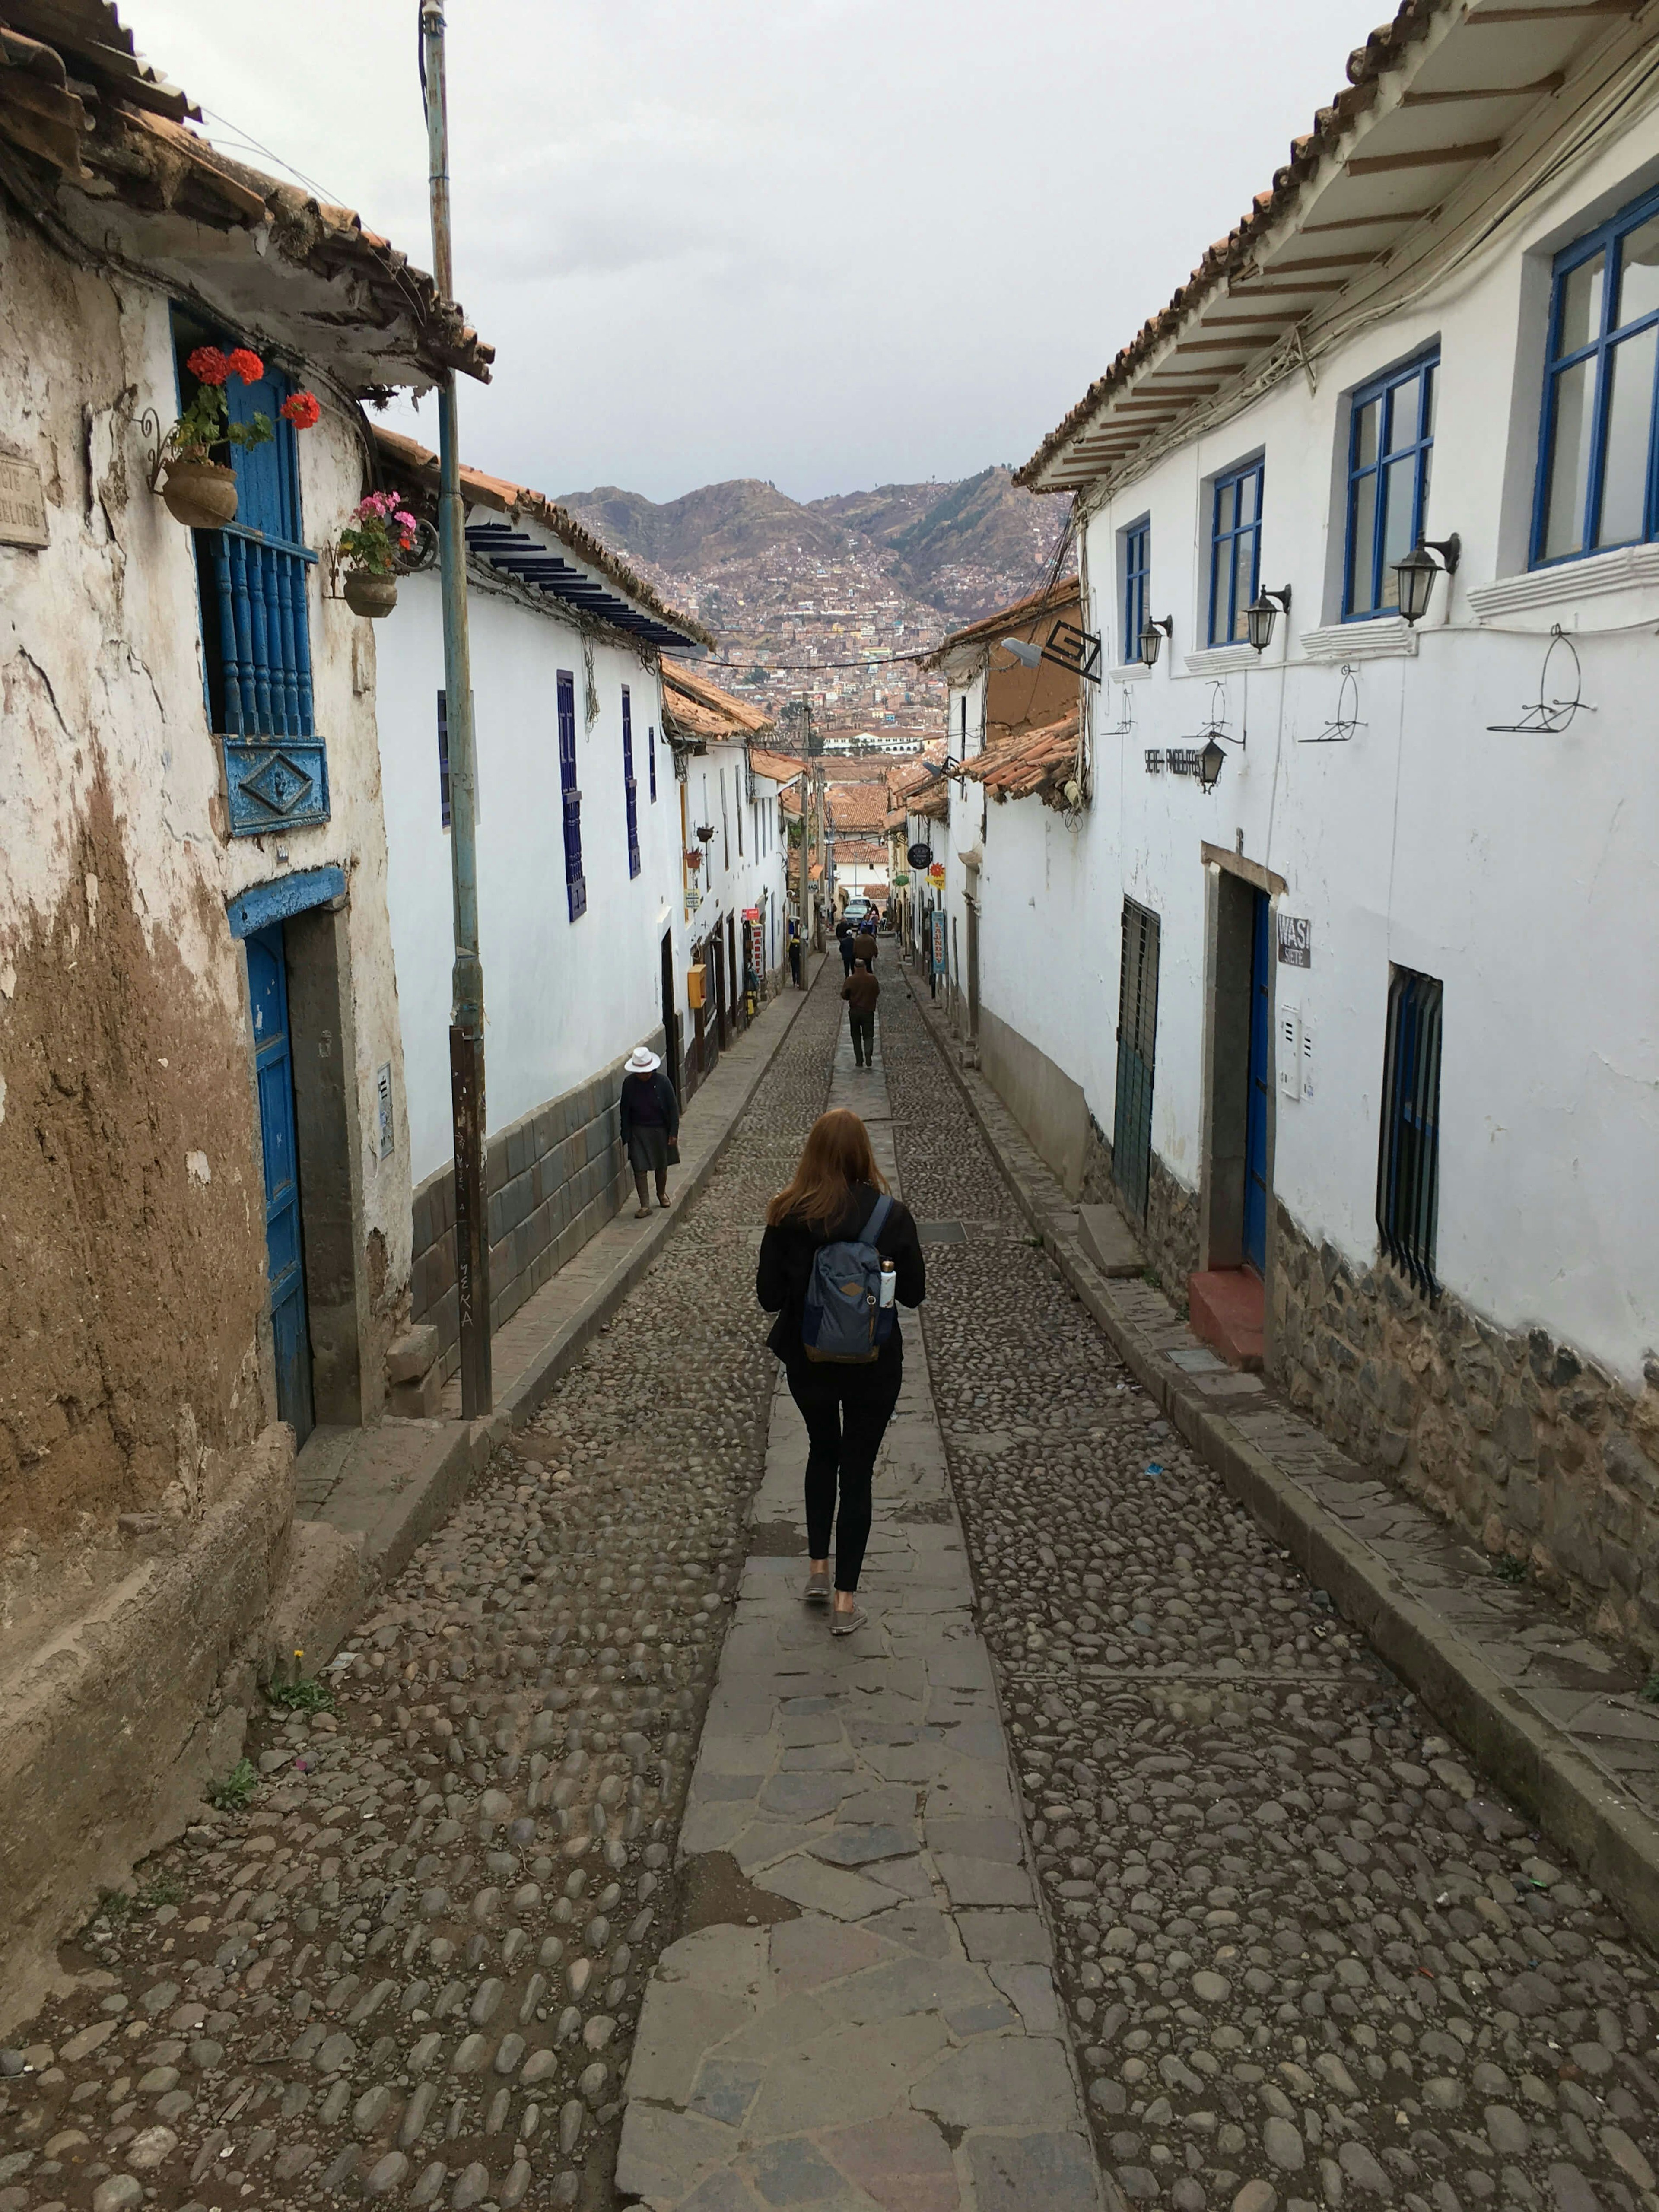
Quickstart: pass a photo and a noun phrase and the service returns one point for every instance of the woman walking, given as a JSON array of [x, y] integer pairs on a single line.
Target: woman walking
[[650, 1125], [837, 1199]]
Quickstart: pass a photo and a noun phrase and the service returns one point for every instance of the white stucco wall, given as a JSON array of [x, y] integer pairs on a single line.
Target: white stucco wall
[[561, 999], [743, 862], [1521, 871]]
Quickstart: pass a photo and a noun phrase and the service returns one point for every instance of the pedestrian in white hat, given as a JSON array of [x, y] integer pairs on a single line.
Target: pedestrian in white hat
[[650, 1125]]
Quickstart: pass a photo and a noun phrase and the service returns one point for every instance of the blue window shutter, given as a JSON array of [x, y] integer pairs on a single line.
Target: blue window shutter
[[576, 882], [1235, 551], [630, 789], [651, 756], [1137, 568], [443, 757]]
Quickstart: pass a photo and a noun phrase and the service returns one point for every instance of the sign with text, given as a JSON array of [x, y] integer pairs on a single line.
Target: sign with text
[[938, 942], [22, 503], [1295, 942], [936, 875]]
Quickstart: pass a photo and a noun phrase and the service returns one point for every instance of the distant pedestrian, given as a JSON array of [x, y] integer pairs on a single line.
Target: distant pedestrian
[[845, 938], [794, 951], [864, 947], [650, 1125], [844, 1363], [861, 990]]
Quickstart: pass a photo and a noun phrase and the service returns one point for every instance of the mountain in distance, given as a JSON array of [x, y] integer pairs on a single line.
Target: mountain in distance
[[962, 549]]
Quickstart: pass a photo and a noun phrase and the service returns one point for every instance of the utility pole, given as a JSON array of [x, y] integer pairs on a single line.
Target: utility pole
[[466, 1035], [805, 831]]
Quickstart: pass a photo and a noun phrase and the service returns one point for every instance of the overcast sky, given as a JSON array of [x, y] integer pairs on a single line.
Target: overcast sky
[[835, 243]]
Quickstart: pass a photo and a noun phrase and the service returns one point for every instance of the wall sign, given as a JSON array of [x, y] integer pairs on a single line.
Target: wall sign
[[22, 503], [936, 875], [921, 855], [1295, 942]]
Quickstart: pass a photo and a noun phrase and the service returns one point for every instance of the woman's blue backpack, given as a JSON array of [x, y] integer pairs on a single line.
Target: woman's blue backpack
[[843, 1320]]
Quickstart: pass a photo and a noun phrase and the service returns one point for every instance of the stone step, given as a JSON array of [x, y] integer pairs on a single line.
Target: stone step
[[1109, 1241], [1226, 1309]]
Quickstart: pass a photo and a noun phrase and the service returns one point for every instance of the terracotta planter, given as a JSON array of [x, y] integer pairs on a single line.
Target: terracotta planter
[[200, 493], [369, 594]]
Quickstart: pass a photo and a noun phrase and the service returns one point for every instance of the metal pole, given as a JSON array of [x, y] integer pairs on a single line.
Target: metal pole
[[466, 1036]]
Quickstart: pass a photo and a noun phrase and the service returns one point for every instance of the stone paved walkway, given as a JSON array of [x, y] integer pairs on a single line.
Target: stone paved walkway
[[867, 2015]]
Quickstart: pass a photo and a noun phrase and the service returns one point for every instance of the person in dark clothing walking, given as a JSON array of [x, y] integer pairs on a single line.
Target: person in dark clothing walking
[[845, 938], [861, 990], [650, 1125], [846, 1406], [794, 952], [864, 948]]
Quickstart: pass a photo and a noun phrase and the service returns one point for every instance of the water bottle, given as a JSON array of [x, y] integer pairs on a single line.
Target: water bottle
[[889, 1283]]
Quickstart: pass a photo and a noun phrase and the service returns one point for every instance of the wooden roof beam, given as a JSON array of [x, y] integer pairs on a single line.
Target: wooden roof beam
[[1424, 157], [1553, 82]]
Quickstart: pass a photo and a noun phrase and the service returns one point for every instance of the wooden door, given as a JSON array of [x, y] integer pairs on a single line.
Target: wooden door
[[1137, 1042], [267, 971]]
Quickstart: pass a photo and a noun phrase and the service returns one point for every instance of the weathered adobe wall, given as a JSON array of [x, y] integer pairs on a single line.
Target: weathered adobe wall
[[131, 1242], [1534, 1449]]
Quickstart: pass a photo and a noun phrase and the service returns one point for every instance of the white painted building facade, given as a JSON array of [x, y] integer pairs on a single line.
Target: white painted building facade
[[583, 930], [1437, 1150]]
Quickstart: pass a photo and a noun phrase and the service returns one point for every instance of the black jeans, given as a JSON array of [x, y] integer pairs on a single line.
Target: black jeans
[[863, 1027], [846, 1411]]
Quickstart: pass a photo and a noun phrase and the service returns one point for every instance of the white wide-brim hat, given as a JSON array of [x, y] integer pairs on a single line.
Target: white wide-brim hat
[[642, 1061]]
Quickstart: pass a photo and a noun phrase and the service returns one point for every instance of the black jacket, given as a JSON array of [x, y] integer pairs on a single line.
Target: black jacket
[[669, 1104], [785, 1268]]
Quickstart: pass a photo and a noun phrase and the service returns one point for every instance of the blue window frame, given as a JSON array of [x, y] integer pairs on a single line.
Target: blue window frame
[[1599, 457], [1137, 567], [651, 759], [575, 883], [1235, 551], [1390, 450], [1408, 1162], [443, 758], [630, 789]]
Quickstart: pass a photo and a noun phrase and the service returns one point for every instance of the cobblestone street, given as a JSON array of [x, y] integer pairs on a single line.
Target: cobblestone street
[[1304, 1957]]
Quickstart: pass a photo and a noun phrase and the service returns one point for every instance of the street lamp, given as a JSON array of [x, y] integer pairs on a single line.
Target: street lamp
[[1210, 764], [1259, 616], [1028, 655], [1416, 573], [1153, 632]]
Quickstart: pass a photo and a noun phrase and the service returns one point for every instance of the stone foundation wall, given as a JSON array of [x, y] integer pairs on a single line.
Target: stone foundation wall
[[1525, 1443], [554, 1179], [1169, 1236]]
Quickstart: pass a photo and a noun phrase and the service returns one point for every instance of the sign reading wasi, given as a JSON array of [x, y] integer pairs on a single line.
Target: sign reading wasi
[[1295, 942], [22, 503]]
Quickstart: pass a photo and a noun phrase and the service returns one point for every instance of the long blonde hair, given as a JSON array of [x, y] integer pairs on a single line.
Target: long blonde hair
[[836, 1158]]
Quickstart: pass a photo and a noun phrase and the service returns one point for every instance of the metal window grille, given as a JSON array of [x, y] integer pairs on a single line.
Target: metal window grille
[[1235, 551], [1137, 567], [1391, 452], [575, 883], [630, 789], [443, 757], [1408, 1163], [1137, 1052], [1598, 444], [651, 759]]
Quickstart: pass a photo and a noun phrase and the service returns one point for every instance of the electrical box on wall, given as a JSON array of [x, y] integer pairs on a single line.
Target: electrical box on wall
[[1294, 1059]]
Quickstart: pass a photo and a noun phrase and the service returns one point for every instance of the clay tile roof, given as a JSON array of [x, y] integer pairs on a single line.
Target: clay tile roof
[[1387, 49], [94, 144], [1036, 763], [1052, 600], [781, 768], [702, 709], [857, 805], [416, 462]]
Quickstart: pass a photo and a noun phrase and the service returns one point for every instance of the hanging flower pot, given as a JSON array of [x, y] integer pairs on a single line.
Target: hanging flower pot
[[202, 495], [200, 491], [369, 594]]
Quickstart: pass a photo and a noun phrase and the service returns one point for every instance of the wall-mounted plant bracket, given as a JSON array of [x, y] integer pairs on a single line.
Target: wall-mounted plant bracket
[[1546, 717], [1339, 730]]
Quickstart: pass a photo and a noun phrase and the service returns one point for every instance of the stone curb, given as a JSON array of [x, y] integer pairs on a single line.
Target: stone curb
[[1614, 1844], [456, 1458]]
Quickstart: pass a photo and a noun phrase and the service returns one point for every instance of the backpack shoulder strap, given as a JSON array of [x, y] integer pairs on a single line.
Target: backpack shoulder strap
[[877, 1221]]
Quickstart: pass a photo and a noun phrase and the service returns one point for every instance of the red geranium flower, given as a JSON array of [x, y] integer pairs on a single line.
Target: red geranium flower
[[248, 366], [301, 408], [207, 365]]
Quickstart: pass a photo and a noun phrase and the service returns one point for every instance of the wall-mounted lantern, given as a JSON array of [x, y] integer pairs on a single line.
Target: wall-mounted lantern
[[1416, 573], [1259, 616], [1153, 631], [1210, 764]]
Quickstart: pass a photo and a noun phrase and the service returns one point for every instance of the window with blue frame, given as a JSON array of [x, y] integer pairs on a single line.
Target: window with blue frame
[[1137, 567], [256, 631], [630, 789], [1408, 1157], [1390, 449], [651, 759], [575, 883], [1235, 551], [1596, 486], [443, 758]]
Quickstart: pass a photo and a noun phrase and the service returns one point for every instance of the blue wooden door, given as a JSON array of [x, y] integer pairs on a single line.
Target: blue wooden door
[[267, 976], [1255, 1110]]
